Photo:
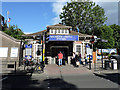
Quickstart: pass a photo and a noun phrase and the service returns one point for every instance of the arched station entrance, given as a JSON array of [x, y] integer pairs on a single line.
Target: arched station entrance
[[64, 50], [54, 47]]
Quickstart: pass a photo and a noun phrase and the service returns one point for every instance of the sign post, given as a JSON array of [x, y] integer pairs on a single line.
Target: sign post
[[92, 40], [28, 51], [102, 40], [89, 63]]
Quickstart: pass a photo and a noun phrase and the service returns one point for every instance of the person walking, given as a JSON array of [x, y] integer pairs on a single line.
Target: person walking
[[60, 57], [85, 59], [77, 60], [80, 58], [73, 59], [40, 58], [41, 62]]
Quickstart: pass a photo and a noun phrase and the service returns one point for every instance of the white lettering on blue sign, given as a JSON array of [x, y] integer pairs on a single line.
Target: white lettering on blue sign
[[63, 38]]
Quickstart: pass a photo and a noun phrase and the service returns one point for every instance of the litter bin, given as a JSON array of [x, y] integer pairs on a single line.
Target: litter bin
[[114, 64], [107, 64]]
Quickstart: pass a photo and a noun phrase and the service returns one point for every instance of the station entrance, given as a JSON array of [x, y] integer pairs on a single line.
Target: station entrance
[[57, 49], [54, 47]]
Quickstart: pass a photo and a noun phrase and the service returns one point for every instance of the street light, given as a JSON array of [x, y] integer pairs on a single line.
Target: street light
[[102, 40], [92, 40]]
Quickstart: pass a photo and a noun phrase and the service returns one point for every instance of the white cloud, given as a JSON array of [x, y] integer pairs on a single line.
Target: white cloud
[[110, 7], [111, 11], [34, 0], [56, 20], [105, 0], [57, 9], [28, 32]]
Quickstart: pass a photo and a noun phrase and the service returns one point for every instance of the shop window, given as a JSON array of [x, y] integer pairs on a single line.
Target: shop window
[[78, 48]]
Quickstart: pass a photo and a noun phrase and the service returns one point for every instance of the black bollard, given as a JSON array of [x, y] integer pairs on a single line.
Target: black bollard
[[89, 63], [15, 66]]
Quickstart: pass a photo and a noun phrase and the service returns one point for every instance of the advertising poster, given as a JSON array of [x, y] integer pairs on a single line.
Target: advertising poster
[[14, 52], [3, 51]]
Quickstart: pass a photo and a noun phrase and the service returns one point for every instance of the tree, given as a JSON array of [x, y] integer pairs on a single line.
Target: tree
[[13, 31], [116, 35], [105, 32], [83, 16]]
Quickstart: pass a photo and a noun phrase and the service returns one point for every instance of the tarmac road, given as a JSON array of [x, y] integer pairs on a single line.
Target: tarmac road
[[58, 77]]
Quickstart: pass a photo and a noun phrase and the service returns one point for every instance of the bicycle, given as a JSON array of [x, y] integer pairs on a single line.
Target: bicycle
[[39, 67], [31, 66]]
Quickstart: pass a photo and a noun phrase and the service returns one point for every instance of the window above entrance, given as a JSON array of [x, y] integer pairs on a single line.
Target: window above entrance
[[58, 31]]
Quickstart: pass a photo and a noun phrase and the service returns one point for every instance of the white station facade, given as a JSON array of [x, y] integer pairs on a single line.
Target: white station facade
[[61, 38]]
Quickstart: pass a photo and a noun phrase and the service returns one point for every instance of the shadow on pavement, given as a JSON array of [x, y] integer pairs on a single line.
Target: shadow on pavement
[[59, 83], [114, 77], [24, 80]]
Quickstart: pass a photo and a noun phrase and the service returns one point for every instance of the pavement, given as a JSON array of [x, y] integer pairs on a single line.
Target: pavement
[[53, 69], [55, 76]]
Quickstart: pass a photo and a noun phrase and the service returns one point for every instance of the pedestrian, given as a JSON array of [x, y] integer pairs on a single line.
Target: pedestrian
[[85, 59], [73, 59], [40, 57], [80, 58], [60, 57], [41, 62], [77, 60]]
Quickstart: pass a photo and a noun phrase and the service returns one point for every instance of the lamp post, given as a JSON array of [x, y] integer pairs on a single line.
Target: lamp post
[[92, 40], [102, 40]]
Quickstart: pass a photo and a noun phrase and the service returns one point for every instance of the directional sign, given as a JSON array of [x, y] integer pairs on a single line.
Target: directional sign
[[91, 57]]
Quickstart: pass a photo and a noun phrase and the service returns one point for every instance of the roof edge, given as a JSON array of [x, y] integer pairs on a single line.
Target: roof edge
[[12, 38]]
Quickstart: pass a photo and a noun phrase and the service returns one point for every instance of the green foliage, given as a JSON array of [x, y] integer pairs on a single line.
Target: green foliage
[[109, 56], [13, 31], [106, 33], [83, 16], [116, 36]]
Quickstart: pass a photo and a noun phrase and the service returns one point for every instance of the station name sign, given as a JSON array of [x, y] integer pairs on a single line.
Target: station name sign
[[63, 38]]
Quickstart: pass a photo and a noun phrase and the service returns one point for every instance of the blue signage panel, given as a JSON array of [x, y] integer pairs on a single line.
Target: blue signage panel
[[28, 46], [91, 57], [63, 38], [28, 57]]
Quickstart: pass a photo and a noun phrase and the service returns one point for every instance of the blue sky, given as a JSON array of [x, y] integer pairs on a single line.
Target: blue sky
[[35, 16], [29, 16]]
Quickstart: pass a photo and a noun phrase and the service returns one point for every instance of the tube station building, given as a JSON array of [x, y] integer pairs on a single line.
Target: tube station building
[[61, 38]]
